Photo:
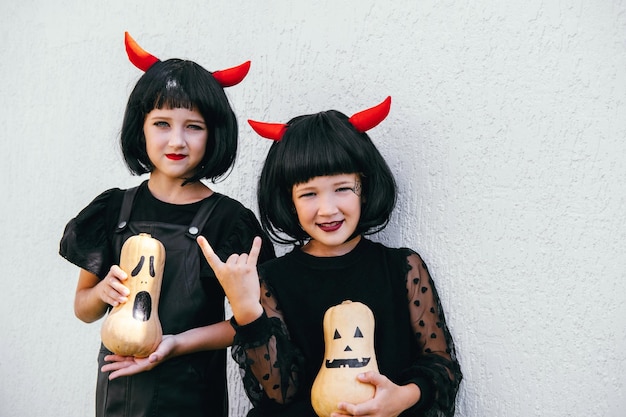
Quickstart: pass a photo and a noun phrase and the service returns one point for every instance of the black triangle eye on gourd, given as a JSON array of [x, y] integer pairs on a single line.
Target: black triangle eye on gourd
[[144, 60]]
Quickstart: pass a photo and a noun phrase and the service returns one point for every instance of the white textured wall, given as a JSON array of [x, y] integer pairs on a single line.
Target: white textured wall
[[507, 134]]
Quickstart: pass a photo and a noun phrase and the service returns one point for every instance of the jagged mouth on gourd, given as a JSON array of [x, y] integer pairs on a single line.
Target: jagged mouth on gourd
[[347, 363]]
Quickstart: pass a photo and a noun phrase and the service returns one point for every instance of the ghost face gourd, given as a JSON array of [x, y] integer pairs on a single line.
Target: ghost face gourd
[[133, 328], [349, 351]]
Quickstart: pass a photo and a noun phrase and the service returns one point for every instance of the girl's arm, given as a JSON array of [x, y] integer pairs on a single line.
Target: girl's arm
[[435, 369], [270, 362], [94, 296], [212, 337], [215, 336], [261, 345]]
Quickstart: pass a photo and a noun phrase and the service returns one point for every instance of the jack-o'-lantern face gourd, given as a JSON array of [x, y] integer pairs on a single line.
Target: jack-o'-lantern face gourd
[[349, 351], [133, 328], [347, 347]]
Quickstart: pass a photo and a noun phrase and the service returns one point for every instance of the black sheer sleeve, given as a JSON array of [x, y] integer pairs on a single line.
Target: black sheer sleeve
[[435, 369], [269, 362]]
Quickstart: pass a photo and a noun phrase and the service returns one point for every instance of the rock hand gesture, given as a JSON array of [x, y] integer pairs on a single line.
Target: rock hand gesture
[[239, 278]]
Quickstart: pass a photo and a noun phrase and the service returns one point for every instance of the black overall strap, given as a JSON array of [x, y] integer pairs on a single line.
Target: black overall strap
[[202, 216], [127, 206]]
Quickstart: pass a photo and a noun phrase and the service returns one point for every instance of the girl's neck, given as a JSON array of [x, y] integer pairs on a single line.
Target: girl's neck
[[315, 248], [174, 192]]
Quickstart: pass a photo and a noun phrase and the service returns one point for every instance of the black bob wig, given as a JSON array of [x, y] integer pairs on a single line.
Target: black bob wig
[[316, 145], [177, 83]]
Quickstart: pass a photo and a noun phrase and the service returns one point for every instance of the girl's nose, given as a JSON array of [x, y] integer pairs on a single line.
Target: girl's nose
[[327, 206], [177, 138]]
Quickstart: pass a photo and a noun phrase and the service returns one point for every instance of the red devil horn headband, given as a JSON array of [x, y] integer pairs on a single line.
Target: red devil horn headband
[[144, 60], [274, 131], [370, 118], [362, 121], [232, 76]]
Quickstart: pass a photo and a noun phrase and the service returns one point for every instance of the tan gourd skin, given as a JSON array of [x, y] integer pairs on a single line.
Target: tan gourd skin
[[345, 356], [133, 328]]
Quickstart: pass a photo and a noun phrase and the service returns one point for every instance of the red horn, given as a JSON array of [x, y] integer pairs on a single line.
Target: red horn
[[137, 55], [232, 76], [273, 131], [370, 118]]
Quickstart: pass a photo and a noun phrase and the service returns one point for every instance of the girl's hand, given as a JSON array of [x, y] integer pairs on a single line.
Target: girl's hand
[[128, 365], [389, 400], [112, 289], [239, 279]]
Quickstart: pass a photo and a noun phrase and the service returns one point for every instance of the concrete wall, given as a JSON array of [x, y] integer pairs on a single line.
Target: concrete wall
[[507, 134]]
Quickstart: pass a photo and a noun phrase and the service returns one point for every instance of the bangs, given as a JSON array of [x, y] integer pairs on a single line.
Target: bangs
[[173, 95], [324, 148], [185, 84]]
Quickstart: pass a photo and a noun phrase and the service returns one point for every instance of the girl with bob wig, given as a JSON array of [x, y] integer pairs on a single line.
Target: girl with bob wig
[[323, 187], [180, 129], [177, 83], [322, 144]]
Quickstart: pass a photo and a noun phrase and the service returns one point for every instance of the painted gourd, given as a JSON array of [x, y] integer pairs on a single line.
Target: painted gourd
[[349, 350], [133, 328]]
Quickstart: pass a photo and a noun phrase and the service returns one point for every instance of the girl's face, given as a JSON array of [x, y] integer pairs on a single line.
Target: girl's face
[[175, 141], [329, 209]]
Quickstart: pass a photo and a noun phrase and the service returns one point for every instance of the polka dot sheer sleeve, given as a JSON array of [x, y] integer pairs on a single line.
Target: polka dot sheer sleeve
[[269, 366], [436, 364]]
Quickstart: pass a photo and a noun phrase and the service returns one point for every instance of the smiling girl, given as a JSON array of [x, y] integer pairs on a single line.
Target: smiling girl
[[180, 129], [324, 187]]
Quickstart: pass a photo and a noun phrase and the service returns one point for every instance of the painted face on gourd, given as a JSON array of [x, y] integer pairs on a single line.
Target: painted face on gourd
[[133, 328], [144, 273], [348, 351], [349, 347]]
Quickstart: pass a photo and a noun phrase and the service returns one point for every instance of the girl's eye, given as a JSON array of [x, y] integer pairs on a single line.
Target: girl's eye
[[195, 127], [307, 195], [161, 124], [344, 189]]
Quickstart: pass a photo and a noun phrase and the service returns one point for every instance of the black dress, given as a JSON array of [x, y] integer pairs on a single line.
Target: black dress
[[281, 352], [189, 385]]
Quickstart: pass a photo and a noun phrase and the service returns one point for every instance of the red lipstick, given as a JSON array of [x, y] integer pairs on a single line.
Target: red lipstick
[[175, 156], [330, 227]]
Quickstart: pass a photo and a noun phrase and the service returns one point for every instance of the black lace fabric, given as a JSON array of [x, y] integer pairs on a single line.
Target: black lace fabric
[[437, 360], [271, 367]]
